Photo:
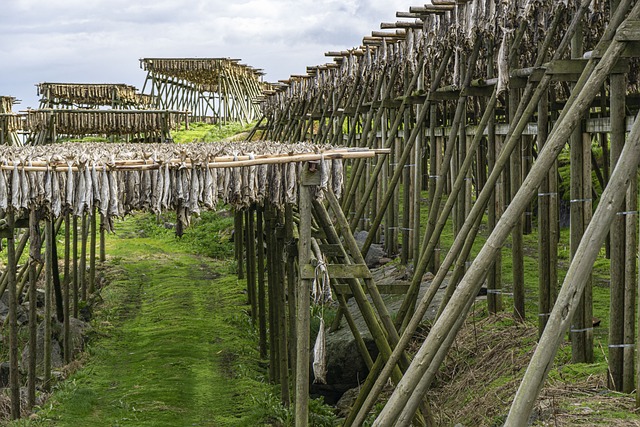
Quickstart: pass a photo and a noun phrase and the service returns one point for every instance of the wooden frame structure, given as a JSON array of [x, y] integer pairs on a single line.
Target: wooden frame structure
[[211, 89], [10, 122], [475, 99], [46, 125], [70, 186], [93, 95]]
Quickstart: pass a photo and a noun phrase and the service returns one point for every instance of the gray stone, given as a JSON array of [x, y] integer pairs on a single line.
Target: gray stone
[[345, 367], [5, 367], [375, 253], [56, 350], [78, 333], [4, 311]]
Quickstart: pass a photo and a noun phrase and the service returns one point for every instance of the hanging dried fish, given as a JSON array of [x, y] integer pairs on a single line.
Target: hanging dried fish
[[104, 192], [80, 201], [56, 199], [3, 190], [193, 207]]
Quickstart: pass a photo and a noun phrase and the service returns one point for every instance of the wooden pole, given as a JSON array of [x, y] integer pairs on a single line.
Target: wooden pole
[[262, 317], [303, 311], [251, 262], [590, 82], [618, 89], [292, 280], [92, 250], [545, 293], [48, 303], [630, 293], [34, 258], [574, 283], [103, 232], [66, 290], [74, 273], [517, 242], [14, 373], [82, 274], [239, 236], [281, 314]]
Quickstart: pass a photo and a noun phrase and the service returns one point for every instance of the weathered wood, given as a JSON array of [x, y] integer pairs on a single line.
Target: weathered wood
[[14, 373], [577, 276], [48, 303], [338, 271], [92, 250], [34, 258], [74, 270], [616, 307], [262, 316], [303, 312], [473, 279], [66, 289]]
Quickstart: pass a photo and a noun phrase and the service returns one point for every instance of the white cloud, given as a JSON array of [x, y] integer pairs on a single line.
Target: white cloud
[[101, 40]]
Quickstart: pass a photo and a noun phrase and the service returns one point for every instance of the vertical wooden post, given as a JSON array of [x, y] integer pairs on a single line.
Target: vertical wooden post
[[417, 177], [617, 94], [74, 273], [239, 236], [48, 302], [283, 359], [303, 312], [103, 232], [251, 262], [14, 373], [83, 257], [292, 251], [34, 259], [517, 244], [545, 301], [631, 282], [262, 320], [92, 251], [406, 191], [65, 290]]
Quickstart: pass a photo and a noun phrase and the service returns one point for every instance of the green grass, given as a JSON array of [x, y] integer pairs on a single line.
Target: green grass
[[205, 132], [174, 346]]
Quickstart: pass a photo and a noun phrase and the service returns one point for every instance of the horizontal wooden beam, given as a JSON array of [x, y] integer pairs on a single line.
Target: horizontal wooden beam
[[338, 271]]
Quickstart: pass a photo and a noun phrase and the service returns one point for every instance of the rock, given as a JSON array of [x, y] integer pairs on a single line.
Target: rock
[[4, 311], [384, 260], [344, 405], [375, 253], [345, 367], [4, 374], [78, 331], [56, 348]]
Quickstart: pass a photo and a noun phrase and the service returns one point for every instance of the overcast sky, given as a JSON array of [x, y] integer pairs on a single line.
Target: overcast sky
[[100, 41]]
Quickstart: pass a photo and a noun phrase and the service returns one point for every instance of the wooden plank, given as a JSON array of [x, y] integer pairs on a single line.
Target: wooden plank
[[331, 250], [628, 31], [631, 50], [337, 271], [399, 288]]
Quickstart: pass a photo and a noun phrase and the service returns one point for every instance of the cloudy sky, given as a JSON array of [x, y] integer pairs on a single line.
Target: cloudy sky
[[100, 41]]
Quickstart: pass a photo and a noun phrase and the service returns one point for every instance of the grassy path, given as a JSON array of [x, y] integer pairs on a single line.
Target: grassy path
[[174, 348]]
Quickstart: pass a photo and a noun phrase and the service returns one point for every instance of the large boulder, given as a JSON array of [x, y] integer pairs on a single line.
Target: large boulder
[[5, 368], [346, 368], [375, 252], [4, 310], [78, 333]]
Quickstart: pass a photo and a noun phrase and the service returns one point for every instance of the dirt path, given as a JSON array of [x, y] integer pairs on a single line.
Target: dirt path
[[174, 348]]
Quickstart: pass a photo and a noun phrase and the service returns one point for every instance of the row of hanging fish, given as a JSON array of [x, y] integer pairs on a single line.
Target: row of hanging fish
[[204, 71], [110, 122], [494, 21], [117, 179], [91, 93]]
